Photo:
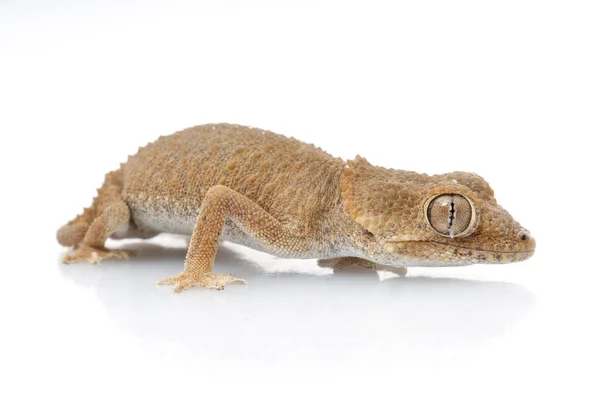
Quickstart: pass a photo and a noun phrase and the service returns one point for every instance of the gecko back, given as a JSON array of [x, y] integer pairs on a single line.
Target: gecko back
[[292, 180]]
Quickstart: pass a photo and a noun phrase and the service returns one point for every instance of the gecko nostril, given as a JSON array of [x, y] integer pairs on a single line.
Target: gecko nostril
[[524, 236]]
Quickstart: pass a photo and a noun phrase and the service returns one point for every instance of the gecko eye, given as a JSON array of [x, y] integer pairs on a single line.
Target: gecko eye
[[450, 215]]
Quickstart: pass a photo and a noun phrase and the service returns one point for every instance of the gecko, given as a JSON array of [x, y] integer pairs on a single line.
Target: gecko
[[279, 195]]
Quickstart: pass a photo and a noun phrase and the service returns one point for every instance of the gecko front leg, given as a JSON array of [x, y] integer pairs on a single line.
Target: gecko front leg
[[219, 204]]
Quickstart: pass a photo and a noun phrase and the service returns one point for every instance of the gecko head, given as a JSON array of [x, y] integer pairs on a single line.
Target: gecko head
[[422, 220]]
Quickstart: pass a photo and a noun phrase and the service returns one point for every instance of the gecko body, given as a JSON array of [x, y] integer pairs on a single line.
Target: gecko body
[[291, 199]]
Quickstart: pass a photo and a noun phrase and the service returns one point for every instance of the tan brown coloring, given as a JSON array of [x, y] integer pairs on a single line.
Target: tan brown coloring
[[291, 199]]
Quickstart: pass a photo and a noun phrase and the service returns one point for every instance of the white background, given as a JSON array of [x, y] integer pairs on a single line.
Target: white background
[[507, 89]]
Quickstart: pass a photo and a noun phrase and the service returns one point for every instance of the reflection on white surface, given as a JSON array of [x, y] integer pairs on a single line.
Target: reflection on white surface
[[287, 317]]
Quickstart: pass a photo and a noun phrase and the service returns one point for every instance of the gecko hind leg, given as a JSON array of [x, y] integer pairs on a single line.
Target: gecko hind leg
[[88, 232], [114, 217], [343, 262]]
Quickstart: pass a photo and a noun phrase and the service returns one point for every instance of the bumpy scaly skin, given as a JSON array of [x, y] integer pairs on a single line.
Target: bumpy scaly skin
[[288, 198]]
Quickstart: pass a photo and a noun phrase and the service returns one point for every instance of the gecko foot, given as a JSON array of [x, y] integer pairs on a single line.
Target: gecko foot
[[209, 280], [93, 254], [340, 263]]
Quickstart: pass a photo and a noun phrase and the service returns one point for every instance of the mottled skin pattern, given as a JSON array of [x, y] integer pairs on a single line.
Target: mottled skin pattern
[[291, 199]]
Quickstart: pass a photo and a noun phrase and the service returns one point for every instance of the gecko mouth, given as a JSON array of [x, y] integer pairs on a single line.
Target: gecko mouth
[[527, 250], [450, 254]]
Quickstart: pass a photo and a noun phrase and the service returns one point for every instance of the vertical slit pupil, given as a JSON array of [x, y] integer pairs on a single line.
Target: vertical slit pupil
[[452, 211]]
